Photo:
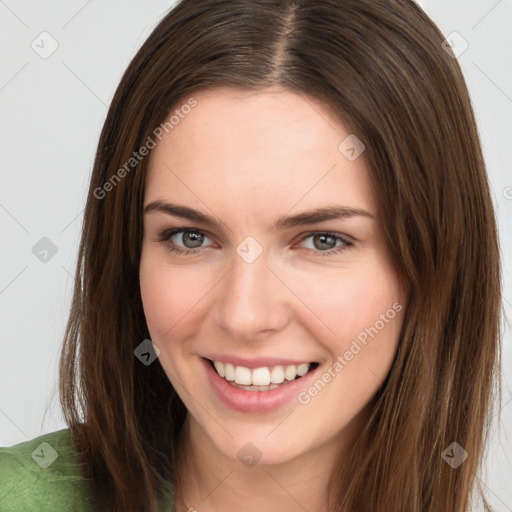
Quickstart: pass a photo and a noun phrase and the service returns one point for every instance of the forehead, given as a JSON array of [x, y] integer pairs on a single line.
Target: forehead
[[273, 119], [257, 148]]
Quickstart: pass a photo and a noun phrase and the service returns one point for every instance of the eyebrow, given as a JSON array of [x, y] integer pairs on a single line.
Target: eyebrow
[[283, 222]]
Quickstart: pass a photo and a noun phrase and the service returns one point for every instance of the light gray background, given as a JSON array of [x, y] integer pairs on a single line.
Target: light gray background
[[52, 111]]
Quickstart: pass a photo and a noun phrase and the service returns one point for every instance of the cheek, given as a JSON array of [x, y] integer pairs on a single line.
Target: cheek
[[364, 307], [167, 295], [349, 300], [174, 298]]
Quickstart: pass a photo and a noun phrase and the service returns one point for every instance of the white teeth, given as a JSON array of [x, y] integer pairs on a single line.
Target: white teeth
[[291, 372], [220, 368], [302, 369], [243, 375], [229, 371], [254, 388], [259, 379], [277, 375]]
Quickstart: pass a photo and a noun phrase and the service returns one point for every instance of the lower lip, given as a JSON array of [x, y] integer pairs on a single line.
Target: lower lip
[[255, 401]]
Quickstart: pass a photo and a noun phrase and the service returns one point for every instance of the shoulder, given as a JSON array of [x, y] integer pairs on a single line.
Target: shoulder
[[42, 475]]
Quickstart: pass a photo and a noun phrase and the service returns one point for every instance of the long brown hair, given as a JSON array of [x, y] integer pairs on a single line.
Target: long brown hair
[[380, 66]]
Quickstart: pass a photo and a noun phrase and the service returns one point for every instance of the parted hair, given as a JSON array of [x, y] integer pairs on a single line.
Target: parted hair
[[381, 67]]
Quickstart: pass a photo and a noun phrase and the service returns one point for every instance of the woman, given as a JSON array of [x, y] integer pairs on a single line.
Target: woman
[[288, 286]]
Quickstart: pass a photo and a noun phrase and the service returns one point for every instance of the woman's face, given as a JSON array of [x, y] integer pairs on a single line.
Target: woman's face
[[283, 265]]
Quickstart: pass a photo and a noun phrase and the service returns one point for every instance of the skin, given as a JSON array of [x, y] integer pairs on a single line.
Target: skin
[[247, 158]]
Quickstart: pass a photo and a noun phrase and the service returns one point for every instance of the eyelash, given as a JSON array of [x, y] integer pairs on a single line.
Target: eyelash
[[164, 238]]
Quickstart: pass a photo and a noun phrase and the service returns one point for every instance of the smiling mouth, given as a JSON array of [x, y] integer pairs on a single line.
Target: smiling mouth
[[264, 378]]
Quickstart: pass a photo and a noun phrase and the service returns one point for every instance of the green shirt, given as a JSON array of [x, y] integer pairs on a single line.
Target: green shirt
[[43, 475]]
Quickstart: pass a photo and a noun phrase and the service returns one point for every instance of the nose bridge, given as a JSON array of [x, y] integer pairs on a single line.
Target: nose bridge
[[250, 299]]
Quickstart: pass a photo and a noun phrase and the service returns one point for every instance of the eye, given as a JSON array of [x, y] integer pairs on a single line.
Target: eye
[[325, 243], [187, 241], [183, 240]]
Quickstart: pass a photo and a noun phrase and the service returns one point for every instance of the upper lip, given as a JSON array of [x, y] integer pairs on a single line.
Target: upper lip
[[256, 362]]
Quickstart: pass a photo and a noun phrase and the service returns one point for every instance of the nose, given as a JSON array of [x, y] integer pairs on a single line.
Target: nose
[[251, 302]]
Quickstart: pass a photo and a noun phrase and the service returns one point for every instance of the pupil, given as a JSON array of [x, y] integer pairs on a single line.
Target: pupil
[[323, 243], [195, 239]]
